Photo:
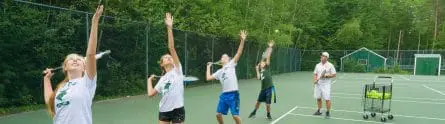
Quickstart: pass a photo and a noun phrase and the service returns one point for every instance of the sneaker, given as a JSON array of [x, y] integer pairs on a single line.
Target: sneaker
[[252, 115], [317, 113], [269, 117], [328, 115]]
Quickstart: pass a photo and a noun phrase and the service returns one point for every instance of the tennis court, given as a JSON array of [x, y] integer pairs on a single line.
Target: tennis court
[[419, 99]]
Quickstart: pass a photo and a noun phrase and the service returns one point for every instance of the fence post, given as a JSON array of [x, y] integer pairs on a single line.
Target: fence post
[[213, 47], [247, 60], [185, 54], [147, 29], [290, 60], [87, 27]]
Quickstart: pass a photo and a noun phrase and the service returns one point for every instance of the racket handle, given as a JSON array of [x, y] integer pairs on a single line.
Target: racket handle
[[54, 69], [216, 63], [156, 76]]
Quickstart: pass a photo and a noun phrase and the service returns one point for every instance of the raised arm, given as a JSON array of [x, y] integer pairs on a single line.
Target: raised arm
[[209, 76], [92, 44], [171, 42], [48, 89], [150, 90], [258, 75], [269, 51], [243, 35]]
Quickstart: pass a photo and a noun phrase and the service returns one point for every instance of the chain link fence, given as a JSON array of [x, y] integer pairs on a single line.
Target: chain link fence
[[36, 36]]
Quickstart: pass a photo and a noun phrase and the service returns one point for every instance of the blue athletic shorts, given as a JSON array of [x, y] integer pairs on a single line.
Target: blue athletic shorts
[[229, 100]]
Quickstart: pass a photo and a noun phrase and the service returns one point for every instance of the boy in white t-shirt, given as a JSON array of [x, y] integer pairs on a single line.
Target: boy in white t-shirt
[[229, 98], [323, 74]]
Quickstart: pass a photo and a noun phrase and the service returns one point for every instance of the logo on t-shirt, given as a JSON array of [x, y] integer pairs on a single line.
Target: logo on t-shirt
[[224, 76], [262, 75], [166, 87], [60, 98]]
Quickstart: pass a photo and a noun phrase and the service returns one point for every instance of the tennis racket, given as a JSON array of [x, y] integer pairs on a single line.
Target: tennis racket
[[98, 56], [185, 78], [190, 78], [321, 75], [216, 63]]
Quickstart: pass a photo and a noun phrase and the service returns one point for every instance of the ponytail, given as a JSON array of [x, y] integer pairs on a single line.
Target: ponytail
[[51, 103]]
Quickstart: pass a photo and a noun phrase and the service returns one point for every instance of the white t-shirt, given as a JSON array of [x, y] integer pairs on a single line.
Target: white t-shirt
[[227, 76], [171, 87], [328, 68], [73, 101]]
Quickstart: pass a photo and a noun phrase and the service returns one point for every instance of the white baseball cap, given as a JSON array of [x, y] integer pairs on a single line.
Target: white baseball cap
[[325, 54]]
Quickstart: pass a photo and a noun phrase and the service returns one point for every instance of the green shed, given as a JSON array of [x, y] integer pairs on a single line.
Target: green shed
[[368, 58]]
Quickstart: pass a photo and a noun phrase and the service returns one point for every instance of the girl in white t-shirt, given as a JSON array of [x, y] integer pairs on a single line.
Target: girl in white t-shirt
[[70, 102], [170, 85]]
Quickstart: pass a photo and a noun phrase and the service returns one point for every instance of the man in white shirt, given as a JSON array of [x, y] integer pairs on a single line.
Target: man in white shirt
[[323, 74]]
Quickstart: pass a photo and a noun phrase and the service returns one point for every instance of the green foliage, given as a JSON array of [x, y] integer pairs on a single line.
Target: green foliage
[[350, 65], [391, 70], [38, 37]]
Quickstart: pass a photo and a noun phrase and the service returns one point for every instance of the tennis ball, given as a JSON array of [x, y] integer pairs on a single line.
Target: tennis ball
[[379, 95], [276, 31]]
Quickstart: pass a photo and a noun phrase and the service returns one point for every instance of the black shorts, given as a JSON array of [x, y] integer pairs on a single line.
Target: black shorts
[[175, 116], [265, 95]]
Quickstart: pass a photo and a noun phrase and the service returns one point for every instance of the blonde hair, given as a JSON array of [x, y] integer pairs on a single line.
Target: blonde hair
[[50, 106], [160, 64]]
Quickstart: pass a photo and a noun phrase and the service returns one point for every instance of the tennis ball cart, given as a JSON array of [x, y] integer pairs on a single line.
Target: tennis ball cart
[[377, 98]]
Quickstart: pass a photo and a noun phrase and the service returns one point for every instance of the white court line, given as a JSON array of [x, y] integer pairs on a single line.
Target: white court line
[[405, 116], [404, 77], [282, 116], [433, 89], [411, 80], [345, 119], [438, 86], [437, 103], [431, 99], [361, 84]]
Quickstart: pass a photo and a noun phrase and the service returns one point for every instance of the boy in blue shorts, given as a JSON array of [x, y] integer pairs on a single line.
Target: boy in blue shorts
[[229, 98]]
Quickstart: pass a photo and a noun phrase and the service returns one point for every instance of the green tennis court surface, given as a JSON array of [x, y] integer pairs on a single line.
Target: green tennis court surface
[[419, 99]]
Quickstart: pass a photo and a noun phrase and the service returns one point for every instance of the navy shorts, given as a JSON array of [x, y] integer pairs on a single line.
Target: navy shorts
[[229, 100], [175, 116], [265, 95]]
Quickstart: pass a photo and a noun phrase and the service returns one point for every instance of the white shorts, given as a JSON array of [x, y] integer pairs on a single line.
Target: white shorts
[[322, 90]]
